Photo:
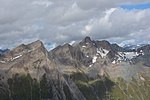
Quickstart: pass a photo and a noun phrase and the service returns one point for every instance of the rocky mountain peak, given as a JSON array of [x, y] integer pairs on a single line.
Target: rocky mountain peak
[[116, 47], [20, 48], [67, 45], [36, 44], [87, 39], [31, 46], [23, 49], [103, 44], [145, 49]]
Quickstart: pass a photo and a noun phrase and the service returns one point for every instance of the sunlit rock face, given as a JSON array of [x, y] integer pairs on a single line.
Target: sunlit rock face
[[88, 70]]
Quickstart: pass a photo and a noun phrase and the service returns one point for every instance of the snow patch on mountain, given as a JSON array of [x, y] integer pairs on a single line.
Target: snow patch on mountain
[[130, 55], [3, 62], [72, 42], [16, 57], [102, 52], [94, 59], [91, 65], [84, 46], [126, 56], [141, 52], [114, 62]]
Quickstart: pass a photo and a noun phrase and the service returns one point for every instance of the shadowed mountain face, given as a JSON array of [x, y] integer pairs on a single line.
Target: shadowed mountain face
[[88, 70], [2, 52]]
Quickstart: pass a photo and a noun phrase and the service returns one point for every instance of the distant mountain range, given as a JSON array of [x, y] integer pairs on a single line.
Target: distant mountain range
[[133, 47], [4, 51], [88, 70]]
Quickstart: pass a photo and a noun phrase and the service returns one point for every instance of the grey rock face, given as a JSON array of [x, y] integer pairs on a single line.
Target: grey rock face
[[68, 55], [145, 49], [80, 54], [115, 47], [144, 55], [87, 46], [87, 40], [104, 44]]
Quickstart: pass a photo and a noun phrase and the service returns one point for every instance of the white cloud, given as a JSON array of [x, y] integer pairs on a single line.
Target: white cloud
[[60, 21], [120, 23], [45, 3]]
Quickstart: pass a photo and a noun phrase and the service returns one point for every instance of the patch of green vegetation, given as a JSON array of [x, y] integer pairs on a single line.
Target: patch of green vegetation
[[46, 89], [103, 87], [4, 94], [35, 90], [117, 94], [79, 77], [81, 80], [87, 91], [132, 90], [67, 92], [92, 89], [23, 87]]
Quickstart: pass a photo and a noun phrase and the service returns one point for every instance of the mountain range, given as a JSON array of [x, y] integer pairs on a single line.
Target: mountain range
[[3, 51], [88, 70]]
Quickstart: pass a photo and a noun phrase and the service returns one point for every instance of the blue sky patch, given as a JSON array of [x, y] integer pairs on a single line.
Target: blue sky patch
[[138, 6]]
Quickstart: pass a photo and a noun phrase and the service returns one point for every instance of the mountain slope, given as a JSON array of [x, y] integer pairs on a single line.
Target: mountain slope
[[88, 70]]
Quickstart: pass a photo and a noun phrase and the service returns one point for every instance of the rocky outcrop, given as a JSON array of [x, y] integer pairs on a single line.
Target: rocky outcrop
[[143, 55], [145, 49], [69, 55], [104, 44]]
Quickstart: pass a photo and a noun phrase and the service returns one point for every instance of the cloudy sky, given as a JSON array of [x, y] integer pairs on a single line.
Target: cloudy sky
[[59, 21]]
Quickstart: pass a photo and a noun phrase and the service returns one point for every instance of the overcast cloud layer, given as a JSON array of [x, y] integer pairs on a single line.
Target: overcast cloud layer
[[60, 21]]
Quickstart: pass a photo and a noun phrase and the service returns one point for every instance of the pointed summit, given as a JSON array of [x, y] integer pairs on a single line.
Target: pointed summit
[[36, 44], [87, 39], [67, 45], [25, 49]]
